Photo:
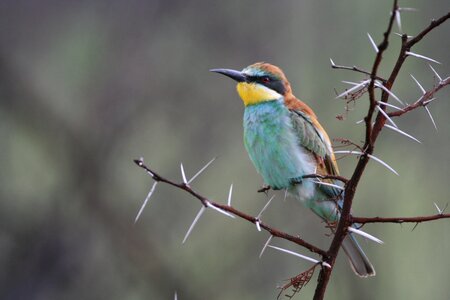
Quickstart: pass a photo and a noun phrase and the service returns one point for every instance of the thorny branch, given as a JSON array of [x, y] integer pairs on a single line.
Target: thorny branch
[[354, 69], [400, 220], [424, 100], [372, 130], [206, 202], [350, 187]]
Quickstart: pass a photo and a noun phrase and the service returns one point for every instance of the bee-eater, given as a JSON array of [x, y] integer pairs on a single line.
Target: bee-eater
[[285, 141]]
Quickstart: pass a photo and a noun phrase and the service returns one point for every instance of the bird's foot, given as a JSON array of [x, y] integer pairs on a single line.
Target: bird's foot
[[296, 180], [264, 189]]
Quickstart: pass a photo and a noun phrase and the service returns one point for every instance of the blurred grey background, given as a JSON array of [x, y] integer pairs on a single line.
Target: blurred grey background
[[87, 86]]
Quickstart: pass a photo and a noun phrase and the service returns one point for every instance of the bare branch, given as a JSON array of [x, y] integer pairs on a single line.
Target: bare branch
[[423, 99], [229, 209], [354, 69], [399, 220], [423, 33]]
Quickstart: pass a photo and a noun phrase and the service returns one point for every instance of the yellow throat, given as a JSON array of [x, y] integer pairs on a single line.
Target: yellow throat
[[254, 93]]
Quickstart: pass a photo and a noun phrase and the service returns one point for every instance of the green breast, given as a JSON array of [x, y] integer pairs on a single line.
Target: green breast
[[273, 145]]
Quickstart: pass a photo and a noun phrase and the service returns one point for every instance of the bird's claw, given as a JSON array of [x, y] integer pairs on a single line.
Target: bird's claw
[[296, 180], [264, 189]]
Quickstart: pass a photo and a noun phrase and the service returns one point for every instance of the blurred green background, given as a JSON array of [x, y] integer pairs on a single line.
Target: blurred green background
[[87, 86]]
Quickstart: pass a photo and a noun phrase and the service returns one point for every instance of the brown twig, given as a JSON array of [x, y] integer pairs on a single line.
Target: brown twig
[[399, 220], [273, 231], [355, 69], [433, 24], [422, 100]]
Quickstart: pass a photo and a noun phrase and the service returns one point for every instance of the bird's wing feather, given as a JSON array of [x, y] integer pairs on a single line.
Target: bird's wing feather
[[313, 137]]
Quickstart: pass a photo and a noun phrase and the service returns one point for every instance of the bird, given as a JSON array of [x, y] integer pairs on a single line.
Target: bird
[[285, 142]]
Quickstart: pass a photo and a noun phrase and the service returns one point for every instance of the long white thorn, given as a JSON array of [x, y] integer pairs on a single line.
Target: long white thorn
[[175, 297], [429, 101], [402, 132], [229, 195], [366, 235], [375, 47], [258, 226], [421, 57], [285, 194], [356, 87], [197, 217], [383, 163], [407, 9], [328, 184], [431, 117], [386, 116], [209, 204], [324, 264], [265, 246], [145, 202], [295, 254], [201, 170], [399, 34], [381, 86], [436, 73], [348, 152], [183, 175], [390, 105], [370, 156], [398, 19], [265, 206], [437, 208], [332, 62], [350, 82]]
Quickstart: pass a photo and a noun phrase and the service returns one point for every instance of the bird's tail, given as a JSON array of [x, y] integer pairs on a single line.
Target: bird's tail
[[358, 259]]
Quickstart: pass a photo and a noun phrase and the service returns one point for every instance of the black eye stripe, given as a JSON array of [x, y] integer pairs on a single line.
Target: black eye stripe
[[260, 79], [273, 83]]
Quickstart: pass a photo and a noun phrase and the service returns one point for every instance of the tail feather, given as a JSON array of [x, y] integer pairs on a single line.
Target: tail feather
[[329, 212], [358, 259]]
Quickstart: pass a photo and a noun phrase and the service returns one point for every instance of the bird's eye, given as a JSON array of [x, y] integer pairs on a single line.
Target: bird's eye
[[265, 79]]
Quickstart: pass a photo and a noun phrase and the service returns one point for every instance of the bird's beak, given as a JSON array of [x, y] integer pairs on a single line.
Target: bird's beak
[[233, 74]]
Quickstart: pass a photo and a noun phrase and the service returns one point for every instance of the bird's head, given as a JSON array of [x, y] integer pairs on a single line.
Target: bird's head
[[259, 82]]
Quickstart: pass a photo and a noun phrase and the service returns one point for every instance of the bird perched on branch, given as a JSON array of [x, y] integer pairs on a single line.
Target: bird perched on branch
[[285, 142]]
